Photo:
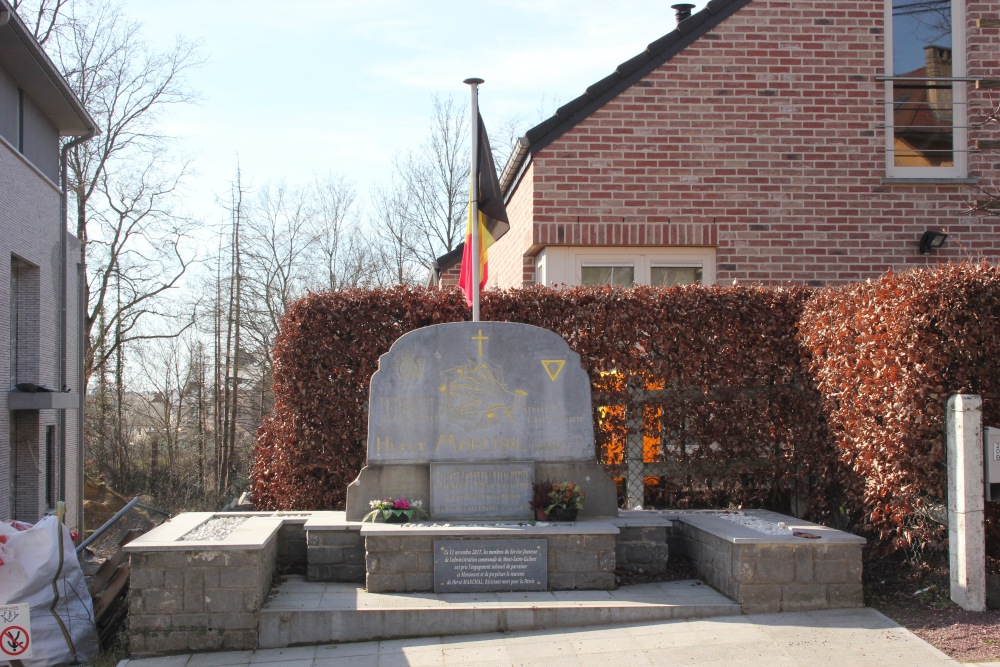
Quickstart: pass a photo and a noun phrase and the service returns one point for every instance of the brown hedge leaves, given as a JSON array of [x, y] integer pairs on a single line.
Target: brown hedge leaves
[[886, 355], [832, 399]]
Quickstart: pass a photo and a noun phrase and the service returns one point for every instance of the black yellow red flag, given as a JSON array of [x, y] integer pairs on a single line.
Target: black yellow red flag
[[493, 222]]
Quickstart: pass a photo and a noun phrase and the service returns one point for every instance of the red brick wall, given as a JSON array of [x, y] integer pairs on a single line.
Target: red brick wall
[[765, 139], [508, 266], [449, 277]]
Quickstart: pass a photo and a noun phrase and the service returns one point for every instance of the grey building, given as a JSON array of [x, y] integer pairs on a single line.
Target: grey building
[[41, 433]]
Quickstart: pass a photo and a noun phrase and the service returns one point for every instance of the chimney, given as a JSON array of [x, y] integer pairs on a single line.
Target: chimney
[[683, 11], [937, 63]]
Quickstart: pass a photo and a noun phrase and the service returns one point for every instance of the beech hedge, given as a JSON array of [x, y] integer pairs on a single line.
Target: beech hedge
[[830, 401], [886, 355]]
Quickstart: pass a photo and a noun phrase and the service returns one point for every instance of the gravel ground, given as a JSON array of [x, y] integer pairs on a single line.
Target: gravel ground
[[967, 636], [756, 523], [920, 601], [215, 529]]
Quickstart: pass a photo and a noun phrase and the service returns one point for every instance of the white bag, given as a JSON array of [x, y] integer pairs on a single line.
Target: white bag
[[40, 568]]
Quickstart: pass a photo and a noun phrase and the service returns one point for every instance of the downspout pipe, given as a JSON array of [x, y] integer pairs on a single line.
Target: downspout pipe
[[63, 324]]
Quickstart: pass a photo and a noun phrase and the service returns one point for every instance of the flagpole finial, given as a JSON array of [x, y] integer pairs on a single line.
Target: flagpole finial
[[474, 81]]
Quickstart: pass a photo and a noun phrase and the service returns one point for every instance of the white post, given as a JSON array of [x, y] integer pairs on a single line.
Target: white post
[[474, 193], [966, 502]]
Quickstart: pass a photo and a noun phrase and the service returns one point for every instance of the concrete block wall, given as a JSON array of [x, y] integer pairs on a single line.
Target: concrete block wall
[[335, 555], [642, 549], [292, 552], [771, 577], [765, 138], [581, 562], [199, 599]]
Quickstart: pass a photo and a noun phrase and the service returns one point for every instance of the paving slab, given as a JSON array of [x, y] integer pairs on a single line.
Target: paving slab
[[843, 637], [319, 613]]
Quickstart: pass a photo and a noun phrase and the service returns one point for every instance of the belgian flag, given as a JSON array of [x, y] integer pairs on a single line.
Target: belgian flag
[[493, 221]]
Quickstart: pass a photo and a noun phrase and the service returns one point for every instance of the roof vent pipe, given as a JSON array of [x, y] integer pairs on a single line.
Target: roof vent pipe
[[683, 11]]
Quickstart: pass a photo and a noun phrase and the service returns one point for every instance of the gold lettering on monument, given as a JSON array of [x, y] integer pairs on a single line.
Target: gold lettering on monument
[[386, 445], [449, 443], [470, 491]]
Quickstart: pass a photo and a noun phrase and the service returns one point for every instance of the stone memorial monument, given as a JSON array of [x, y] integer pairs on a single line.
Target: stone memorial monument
[[466, 416]]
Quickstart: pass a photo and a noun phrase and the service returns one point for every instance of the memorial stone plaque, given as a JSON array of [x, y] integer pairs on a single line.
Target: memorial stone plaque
[[467, 566], [479, 391], [478, 491]]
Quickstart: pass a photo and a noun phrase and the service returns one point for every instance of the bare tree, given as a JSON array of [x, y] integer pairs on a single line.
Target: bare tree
[[347, 255], [427, 202], [138, 247], [121, 181], [45, 16], [988, 189], [397, 239], [227, 384]]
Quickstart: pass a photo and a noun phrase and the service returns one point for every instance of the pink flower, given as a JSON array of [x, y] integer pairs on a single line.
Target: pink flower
[[401, 504]]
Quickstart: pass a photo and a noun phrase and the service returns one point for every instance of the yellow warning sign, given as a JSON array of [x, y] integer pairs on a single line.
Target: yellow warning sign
[[553, 367]]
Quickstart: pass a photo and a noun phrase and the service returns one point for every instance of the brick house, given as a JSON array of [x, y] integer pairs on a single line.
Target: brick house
[[813, 141], [41, 445]]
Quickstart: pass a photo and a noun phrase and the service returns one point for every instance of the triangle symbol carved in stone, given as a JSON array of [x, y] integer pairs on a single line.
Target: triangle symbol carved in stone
[[553, 367]]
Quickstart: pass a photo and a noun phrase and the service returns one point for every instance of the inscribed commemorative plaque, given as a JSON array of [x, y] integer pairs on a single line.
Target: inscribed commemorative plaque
[[481, 491], [468, 566]]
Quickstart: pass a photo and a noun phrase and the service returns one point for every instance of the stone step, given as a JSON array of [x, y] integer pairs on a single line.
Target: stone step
[[300, 612]]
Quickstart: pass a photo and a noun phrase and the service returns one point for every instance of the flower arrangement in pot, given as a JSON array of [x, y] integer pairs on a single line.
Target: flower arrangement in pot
[[540, 498], [565, 500], [395, 510]]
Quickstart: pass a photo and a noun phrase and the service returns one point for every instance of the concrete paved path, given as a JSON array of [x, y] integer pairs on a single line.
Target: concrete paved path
[[834, 638]]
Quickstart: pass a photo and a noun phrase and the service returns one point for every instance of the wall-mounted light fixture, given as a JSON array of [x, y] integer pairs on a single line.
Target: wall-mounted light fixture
[[931, 240]]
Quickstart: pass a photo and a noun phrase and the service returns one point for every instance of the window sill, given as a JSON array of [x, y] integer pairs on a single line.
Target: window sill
[[930, 181]]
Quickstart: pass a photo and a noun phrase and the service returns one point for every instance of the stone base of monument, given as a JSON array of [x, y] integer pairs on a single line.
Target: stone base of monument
[[195, 593], [484, 556], [500, 498], [806, 567]]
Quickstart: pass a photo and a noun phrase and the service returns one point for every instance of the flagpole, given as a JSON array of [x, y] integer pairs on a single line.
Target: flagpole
[[474, 191]]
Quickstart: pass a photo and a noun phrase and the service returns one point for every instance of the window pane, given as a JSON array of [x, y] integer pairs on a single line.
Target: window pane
[[618, 276], [596, 275], [668, 276], [622, 276], [923, 116]]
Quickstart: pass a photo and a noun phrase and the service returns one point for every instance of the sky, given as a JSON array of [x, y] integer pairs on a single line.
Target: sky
[[303, 88]]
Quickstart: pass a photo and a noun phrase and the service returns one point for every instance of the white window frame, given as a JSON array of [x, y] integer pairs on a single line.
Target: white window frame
[[658, 263], [960, 138], [563, 264]]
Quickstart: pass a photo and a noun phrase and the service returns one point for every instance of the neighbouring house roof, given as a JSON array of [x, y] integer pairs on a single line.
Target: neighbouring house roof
[[35, 73], [923, 109], [445, 262], [625, 75]]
